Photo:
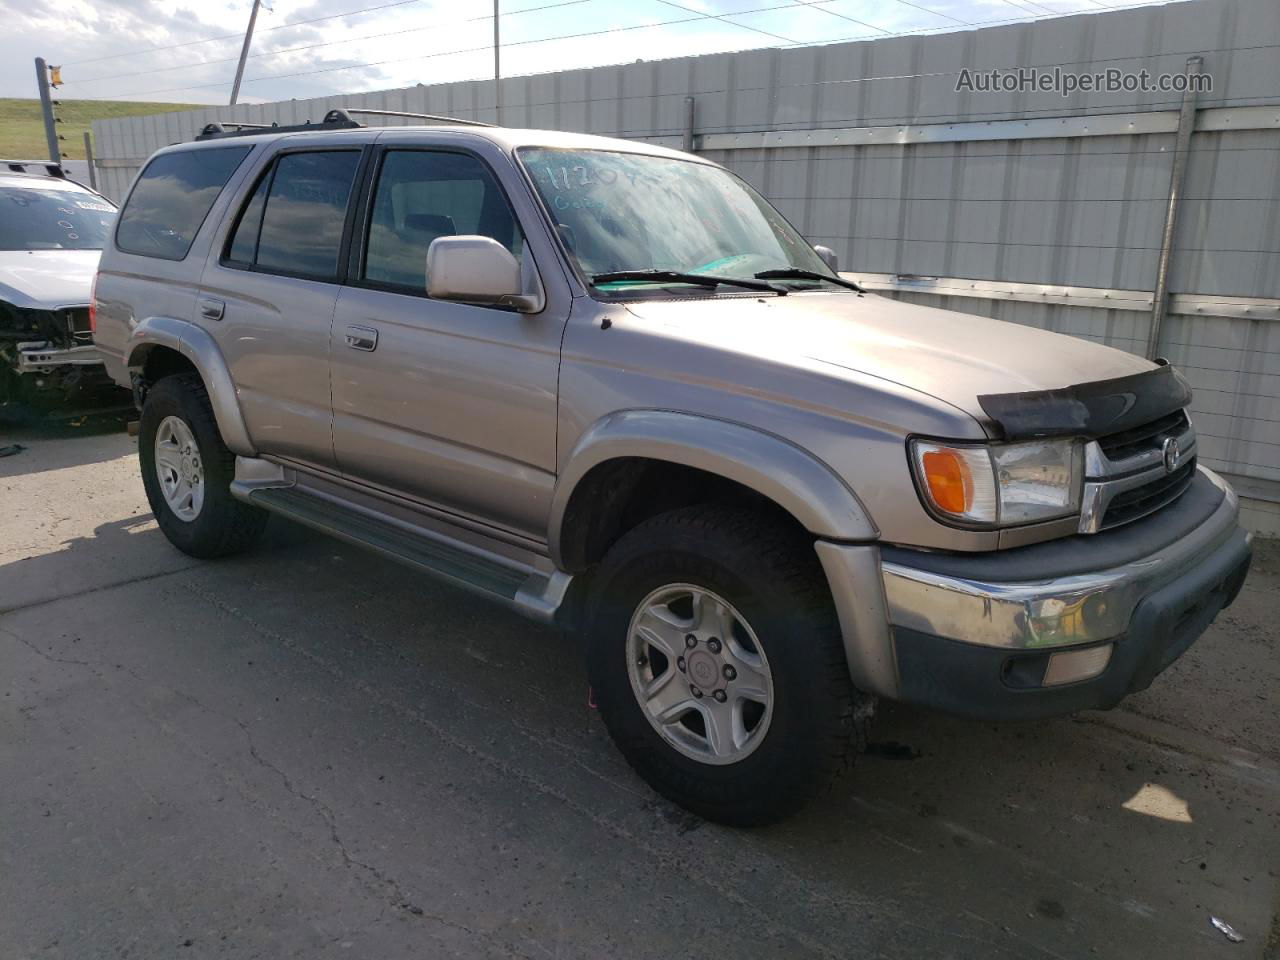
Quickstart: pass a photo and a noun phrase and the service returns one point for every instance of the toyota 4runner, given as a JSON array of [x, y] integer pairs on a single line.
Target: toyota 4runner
[[608, 385]]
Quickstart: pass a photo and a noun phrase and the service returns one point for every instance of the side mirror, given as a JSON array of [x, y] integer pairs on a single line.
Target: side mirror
[[828, 257], [477, 270]]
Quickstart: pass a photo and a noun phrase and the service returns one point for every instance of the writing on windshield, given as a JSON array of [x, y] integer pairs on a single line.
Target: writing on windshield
[[47, 219], [619, 212]]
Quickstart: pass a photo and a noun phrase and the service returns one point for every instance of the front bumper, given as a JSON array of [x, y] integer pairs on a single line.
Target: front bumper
[[42, 357], [37, 378], [978, 634]]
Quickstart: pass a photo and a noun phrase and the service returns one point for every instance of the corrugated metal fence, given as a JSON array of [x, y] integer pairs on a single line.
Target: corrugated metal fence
[[1028, 206]]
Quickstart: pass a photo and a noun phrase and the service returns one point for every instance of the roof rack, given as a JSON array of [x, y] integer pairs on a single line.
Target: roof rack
[[333, 120], [51, 168], [414, 116], [337, 119]]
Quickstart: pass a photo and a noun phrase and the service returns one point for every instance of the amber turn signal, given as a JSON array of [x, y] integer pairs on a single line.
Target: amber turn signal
[[949, 480]]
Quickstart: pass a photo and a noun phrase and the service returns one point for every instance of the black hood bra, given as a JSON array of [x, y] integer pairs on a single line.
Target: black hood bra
[[1089, 409]]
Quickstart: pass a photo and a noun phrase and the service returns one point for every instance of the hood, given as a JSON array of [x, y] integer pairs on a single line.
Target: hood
[[44, 279], [954, 357]]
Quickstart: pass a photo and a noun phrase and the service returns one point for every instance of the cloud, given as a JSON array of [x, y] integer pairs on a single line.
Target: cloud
[[416, 41]]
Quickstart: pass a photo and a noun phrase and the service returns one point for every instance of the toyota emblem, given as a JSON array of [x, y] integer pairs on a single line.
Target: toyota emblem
[[1171, 454]]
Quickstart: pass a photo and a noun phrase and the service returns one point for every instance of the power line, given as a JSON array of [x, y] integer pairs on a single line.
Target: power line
[[614, 30], [329, 43], [861, 23], [1030, 17], [936, 13], [432, 26], [724, 18], [450, 53], [1032, 3], [238, 36]]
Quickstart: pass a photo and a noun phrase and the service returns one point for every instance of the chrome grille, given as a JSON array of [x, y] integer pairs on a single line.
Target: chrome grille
[[1149, 436], [1148, 498], [1126, 477]]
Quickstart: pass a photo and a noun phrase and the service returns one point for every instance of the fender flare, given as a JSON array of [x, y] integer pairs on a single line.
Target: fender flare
[[774, 467], [201, 349]]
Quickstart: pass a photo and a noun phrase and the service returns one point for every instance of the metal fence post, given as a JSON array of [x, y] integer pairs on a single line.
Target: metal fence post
[[1182, 142], [497, 62], [88, 159], [46, 108], [688, 124]]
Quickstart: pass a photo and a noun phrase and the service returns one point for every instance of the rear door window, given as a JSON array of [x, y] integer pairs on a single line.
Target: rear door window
[[172, 198], [302, 221], [244, 241]]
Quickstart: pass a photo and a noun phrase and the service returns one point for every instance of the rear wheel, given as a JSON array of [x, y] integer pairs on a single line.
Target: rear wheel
[[187, 472], [718, 667]]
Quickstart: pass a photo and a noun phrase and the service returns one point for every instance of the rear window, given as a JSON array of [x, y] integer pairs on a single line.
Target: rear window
[[45, 218], [171, 199], [292, 223]]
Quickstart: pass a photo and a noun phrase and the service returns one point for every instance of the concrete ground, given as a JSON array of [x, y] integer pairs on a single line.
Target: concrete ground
[[310, 752]]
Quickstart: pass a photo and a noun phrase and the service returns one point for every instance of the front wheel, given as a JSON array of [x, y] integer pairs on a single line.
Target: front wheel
[[718, 667]]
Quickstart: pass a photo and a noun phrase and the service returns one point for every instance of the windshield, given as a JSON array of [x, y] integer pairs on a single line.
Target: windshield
[[36, 218], [619, 212]]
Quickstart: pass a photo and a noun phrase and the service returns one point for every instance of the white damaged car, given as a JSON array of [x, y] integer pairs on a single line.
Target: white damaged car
[[51, 234]]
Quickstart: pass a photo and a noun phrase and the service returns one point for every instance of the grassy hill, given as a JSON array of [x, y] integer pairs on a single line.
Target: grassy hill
[[22, 130]]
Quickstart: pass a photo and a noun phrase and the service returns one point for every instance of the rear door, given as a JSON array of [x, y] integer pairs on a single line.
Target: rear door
[[270, 292], [449, 403], [152, 266]]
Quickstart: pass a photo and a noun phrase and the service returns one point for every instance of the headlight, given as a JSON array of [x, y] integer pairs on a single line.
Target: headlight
[[999, 484]]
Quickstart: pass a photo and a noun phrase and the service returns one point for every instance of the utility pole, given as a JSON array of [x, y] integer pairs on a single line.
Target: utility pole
[[46, 108], [1181, 151], [497, 63], [244, 52]]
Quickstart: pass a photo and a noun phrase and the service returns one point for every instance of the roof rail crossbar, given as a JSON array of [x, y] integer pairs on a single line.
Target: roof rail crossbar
[[52, 168], [414, 116], [333, 120], [337, 119]]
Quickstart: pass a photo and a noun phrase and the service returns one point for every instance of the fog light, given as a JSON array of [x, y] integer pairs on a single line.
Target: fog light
[[1073, 666]]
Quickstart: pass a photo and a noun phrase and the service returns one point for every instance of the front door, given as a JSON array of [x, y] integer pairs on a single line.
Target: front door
[[447, 403], [272, 292]]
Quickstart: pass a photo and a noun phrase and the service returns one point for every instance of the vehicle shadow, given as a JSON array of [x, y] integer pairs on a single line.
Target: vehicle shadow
[[116, 553], [98, 437]]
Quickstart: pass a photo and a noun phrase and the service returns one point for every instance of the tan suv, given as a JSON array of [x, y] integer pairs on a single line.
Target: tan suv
[[609, 386]]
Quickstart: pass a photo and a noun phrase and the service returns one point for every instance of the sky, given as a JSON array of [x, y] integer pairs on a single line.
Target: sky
[[107, 48]]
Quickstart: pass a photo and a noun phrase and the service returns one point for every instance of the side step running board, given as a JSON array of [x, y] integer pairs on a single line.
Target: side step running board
[[535, 594]]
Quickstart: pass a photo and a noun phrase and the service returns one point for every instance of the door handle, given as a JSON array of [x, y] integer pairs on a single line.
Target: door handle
[[211, 309], [362, 338]]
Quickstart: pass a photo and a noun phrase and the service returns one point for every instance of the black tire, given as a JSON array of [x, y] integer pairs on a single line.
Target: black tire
[[770, 573], [224, 524]]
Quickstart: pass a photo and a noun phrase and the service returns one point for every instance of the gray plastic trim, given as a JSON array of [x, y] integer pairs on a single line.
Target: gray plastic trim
[[201, 349], [775, 468]]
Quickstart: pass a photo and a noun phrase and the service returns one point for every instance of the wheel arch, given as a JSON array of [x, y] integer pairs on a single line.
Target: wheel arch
[[601, 471], [199, 350]]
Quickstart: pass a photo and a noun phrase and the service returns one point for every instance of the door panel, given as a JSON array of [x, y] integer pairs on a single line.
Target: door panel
[[450, 403], [274, 333], [276, 288], [455, 405]]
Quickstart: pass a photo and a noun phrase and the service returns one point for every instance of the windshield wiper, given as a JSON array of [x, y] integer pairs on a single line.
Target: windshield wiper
[[675, 276], [795, 273]]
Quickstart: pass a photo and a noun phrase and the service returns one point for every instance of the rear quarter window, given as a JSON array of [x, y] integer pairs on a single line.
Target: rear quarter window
[[172, 198]]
